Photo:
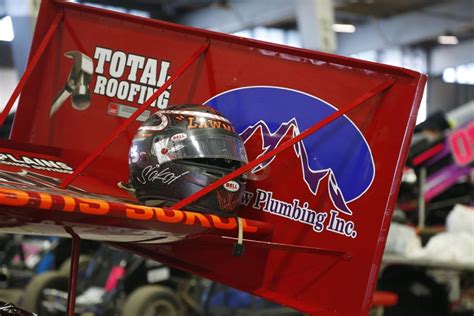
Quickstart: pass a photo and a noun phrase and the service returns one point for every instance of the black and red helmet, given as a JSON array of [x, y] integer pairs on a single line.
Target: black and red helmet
[[182, 149]]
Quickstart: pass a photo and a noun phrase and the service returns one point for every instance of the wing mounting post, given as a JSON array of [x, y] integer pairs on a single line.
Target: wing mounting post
[[73, 271]]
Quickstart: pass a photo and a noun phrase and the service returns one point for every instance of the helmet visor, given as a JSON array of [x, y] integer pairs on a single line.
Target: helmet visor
[[182, 146]]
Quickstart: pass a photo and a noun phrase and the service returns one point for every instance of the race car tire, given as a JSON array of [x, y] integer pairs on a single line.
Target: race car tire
[[33, 295], [152, 300]]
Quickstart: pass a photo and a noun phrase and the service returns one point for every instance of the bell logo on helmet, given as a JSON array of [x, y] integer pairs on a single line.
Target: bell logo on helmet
[[232, 186]]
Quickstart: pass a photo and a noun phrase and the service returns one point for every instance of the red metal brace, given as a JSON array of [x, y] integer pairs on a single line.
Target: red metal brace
[[31, 66], [73, 271]]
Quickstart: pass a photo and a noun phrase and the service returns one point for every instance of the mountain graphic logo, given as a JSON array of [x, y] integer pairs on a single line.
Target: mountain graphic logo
[[311, 177], [338, 151]]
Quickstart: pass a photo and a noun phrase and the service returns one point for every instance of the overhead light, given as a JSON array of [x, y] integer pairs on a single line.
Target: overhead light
[[6, 29], [448, 39], [343, 28], [449, 75]]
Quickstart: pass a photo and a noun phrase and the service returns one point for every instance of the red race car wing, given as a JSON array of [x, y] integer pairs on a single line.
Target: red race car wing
[[327, 137]]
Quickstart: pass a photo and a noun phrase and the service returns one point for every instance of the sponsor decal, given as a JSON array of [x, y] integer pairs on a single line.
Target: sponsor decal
[[97, 207], [179, 137], [335, 163], [232, 186], [166, 150], [197, 114], [201, 122], [130, 77], [198, 119], [35, 163], [113, 108], [126, 111]]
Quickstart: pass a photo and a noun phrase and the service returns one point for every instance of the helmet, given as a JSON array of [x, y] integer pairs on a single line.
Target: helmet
[[182, 149]]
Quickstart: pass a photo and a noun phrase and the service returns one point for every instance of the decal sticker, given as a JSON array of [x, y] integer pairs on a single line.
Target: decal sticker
[[35, 163], [335, 163], [179, 137], [77, 84], [160, 150], [197, 114], [200, 122], [126, 111], [97, 208], [232, 186], [174, 149], [130, 77]]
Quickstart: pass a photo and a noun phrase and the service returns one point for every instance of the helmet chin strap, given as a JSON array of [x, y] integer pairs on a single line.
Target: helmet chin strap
[[239, 248]]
